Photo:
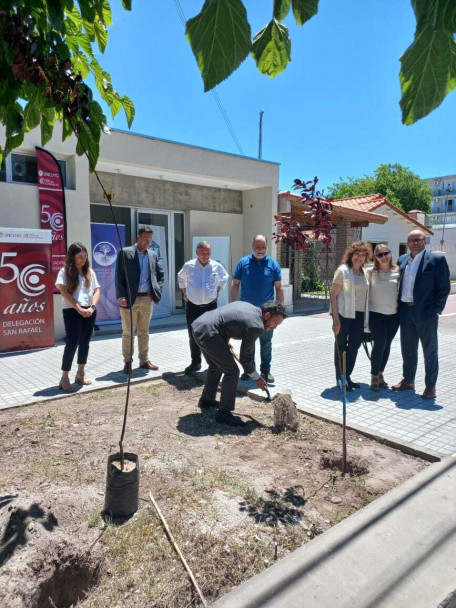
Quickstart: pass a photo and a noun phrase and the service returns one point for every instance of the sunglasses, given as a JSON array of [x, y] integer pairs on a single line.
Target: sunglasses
[[382, 255], [415, 240]]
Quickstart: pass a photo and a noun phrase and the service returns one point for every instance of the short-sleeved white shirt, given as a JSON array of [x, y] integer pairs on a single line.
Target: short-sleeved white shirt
[[82, 294]]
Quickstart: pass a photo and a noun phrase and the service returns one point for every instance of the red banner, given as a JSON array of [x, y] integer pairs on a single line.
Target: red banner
[[26, 287], [52, 206]]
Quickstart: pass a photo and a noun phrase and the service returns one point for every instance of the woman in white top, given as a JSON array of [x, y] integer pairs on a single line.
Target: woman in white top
[[80, 294], [349, 297], [383, 315]]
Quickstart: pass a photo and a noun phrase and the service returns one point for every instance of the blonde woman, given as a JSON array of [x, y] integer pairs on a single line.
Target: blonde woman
[[349, 298], [80, 291], [383, 314]]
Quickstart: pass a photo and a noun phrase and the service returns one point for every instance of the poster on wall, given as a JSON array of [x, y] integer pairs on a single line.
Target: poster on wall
[[26, 288], [164, 309], [105, 246], [52, 207], [221, 252]]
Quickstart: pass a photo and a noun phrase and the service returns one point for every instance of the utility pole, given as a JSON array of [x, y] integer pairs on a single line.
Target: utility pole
[[260, 135]]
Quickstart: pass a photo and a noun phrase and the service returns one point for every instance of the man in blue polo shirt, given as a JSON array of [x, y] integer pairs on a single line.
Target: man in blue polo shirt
[[258, 274]]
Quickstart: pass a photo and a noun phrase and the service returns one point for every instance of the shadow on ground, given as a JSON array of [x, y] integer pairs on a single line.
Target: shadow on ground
[[405, 400], [15, 533], [203, 424]]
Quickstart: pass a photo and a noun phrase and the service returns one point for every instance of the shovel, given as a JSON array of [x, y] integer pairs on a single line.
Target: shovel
[[268, 394]]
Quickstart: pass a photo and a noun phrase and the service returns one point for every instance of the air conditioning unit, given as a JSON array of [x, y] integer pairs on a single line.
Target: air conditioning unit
[[19, 168]]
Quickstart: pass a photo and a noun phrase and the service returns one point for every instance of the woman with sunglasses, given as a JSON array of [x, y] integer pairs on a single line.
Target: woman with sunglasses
[[349, 298], [80, 291], [383, 315]]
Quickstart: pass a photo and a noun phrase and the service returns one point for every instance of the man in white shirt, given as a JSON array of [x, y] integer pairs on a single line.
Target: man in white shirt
[[424, 286], [201, 280]]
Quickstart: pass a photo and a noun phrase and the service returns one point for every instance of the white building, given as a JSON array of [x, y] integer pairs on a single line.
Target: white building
[[189, 191]]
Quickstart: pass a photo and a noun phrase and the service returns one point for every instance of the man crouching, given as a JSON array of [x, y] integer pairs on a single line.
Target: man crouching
[[213, 331]]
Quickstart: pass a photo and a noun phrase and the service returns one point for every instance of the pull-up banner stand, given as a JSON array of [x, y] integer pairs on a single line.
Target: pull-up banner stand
[[52, 206], [26, 286]]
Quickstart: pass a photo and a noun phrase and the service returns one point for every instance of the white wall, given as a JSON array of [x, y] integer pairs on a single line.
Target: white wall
[[259, 207], [448, 248], [217, 224], [393, 232]]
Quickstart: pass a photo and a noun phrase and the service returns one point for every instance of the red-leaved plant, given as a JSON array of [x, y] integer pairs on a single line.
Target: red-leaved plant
[[316, 219]]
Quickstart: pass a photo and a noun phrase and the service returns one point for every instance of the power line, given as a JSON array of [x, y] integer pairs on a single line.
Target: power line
[[215, 95]]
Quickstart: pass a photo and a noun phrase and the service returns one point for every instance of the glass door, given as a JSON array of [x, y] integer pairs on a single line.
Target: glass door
[[168, 244]]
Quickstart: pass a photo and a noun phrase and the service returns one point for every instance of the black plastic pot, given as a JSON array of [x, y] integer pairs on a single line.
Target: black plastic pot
[[122, 487]]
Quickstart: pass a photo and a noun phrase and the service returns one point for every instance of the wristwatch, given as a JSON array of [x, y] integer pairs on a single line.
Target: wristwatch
[[93, 307]]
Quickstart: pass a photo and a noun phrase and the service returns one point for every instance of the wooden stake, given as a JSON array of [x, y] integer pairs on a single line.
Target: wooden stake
[[344, 413], [178, 551]]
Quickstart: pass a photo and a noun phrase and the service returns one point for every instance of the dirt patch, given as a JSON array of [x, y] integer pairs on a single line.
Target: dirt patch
[[235, 499]]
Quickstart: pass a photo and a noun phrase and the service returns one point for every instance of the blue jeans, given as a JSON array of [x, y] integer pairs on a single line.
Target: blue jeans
[[266, 351], [414, 331]]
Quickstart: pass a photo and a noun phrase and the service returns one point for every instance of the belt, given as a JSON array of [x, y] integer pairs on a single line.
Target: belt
[[202, 305], [141, 294], [408, 303]]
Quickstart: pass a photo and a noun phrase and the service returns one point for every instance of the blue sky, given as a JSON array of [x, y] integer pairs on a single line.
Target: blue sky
[[333, 113]]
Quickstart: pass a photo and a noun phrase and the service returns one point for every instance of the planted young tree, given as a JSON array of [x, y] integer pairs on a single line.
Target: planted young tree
[[294, 233]]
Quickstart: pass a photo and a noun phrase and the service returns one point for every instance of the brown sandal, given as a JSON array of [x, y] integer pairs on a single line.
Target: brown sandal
[[65, 386], [381, 381], [82, 380], [375, 384]]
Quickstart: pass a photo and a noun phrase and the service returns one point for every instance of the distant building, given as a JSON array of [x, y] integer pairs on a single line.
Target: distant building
[[442, 218]]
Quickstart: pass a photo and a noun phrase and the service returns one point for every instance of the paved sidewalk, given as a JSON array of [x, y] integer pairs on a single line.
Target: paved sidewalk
[[302, 362]]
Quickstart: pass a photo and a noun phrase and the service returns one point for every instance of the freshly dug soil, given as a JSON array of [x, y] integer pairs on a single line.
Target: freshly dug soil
[[235, 499]]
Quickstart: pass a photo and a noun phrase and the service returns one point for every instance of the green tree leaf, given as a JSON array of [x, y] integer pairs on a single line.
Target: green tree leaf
[[303, 10], [32, 111], [129, 109], [220, 39], [15, 127], [440, 14], [47, 125], [272, 48], [101, 35], [281, 9], [126, 4], [428, 73]]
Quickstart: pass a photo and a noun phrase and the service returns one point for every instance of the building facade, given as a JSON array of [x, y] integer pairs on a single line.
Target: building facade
[[185, 190]]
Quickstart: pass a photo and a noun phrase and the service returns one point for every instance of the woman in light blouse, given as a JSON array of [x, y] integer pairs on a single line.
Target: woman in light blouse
[[349, 298], [383, 315], [80, 291]]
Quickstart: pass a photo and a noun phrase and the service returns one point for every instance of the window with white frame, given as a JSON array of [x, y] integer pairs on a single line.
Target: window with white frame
[[22, 168]]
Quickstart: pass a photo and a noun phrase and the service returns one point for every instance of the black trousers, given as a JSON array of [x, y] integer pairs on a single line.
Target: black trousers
[[349, 340], [413, 331], [221, 362], [383, 329], [193, 311], [78, 331]]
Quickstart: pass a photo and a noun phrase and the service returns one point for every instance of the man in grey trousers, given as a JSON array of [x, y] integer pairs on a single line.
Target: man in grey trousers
[[213, 331]]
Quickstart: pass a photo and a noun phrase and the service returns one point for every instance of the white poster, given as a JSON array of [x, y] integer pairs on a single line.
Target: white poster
[[164, 309], [221, 252]]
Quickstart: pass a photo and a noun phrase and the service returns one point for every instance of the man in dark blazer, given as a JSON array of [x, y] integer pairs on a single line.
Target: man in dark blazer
[[212, 332], [424, 286], [146, 278]]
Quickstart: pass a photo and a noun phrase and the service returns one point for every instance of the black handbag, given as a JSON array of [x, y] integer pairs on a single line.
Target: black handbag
[[366, 342]]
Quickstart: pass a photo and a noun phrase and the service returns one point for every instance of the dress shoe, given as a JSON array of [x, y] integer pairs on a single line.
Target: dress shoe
[[429, 393], [127, 368], [193, 367], [148, 365], [268, 377], [204, 403], [228, 418], [351, 385], [403, 386], [245, 377], [375, 383]]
